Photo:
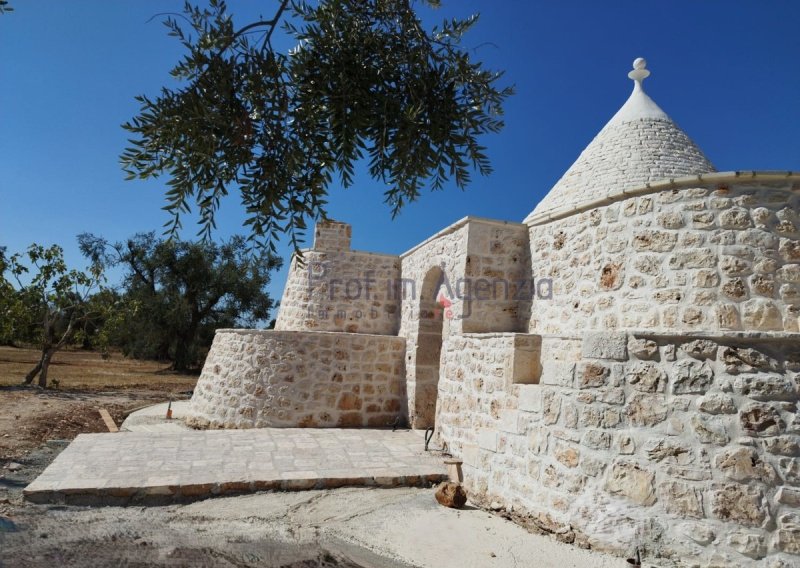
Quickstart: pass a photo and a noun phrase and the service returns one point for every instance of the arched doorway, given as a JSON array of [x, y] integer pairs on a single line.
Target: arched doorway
[[428, 351]]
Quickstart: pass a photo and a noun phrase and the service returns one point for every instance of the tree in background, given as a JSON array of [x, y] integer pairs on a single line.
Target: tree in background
[[175, 294], [366, 79], [54, 307]]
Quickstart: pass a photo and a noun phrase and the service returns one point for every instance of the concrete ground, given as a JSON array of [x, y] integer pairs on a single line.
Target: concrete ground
[[349, 527]]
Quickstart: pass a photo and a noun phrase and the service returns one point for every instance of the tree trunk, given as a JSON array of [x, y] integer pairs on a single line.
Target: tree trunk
[[33, 372], [48, 355]]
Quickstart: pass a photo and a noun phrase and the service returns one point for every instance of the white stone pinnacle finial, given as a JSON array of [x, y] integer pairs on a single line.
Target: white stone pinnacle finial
[[640, 72]]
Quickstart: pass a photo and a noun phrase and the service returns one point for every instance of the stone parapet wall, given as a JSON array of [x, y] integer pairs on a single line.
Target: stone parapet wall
[[258, 379], [686, 446], [347, 291], [701, 258]]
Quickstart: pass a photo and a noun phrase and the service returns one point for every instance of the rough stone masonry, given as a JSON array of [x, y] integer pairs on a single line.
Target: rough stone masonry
[[642, 396]]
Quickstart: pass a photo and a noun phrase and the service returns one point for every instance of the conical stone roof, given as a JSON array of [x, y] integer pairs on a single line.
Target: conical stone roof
[[640, 144]]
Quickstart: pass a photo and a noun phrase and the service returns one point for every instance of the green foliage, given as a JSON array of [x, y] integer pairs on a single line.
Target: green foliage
[[175, 294], [365, 80], [51, 303]]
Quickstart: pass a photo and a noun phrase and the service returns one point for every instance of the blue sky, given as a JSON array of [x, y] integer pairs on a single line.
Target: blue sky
[[727, 71]]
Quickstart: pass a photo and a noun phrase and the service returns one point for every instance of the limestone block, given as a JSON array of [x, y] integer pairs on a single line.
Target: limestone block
[[766, 387], [592, 375], [681, 499], [566, 454], [735, 218], [746, 359], [749, 544], [790, 470], [488, 439], [744, 464], [787, 537], [646, 376], [761, 314], [691, 377], [716, 403], [700, 533], [740, 504], [642, 348], [530, 398], [656, 241], [646, 409], [789, 273], [558, 373], [709, 430], [782, 445], [605, 345], [596, 440], [669, 451], [761, 420], [788, 496], [629, 480], [700, 348]]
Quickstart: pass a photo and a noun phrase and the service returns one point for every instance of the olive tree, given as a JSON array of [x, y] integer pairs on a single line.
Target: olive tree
[[366, 79], [51, 304]]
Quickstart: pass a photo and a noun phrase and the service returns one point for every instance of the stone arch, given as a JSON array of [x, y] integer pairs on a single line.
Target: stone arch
[[428, 350]]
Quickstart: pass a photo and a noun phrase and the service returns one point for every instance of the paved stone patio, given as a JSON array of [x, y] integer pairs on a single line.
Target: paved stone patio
[[184, 465]]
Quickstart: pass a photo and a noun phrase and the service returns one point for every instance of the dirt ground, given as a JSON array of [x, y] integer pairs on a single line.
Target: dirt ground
[[30, 416]]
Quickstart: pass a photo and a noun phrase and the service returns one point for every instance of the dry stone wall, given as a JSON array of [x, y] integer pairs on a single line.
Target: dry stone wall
[[348, 291], [691, 259], [686, 446], [257, 379]]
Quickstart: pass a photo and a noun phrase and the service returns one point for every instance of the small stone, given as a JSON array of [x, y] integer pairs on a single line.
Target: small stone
[[740, 504], [673, 452], [788, 496], [633, 482], [451, 494], [698, 532], [790, 470], [14, 466], [761, 420], [761, 314], [681, 499], [646, 410], [646, 377], [766, 387], [700, 348], [787, 537], [744, 464], [592, 375], [709, 431], [748, 544], [746, 359], [566, 455], [783, 445], [716, 404], [626, 444], [735, 218], [642, 348], [691, 377]]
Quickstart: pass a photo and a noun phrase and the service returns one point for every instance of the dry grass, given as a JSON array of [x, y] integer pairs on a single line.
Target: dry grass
[[87, 370]]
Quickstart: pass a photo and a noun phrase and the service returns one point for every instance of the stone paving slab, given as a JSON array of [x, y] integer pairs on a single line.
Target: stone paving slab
[[185, 465]]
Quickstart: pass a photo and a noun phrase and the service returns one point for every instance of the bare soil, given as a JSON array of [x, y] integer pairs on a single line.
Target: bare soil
[[30, 416]]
